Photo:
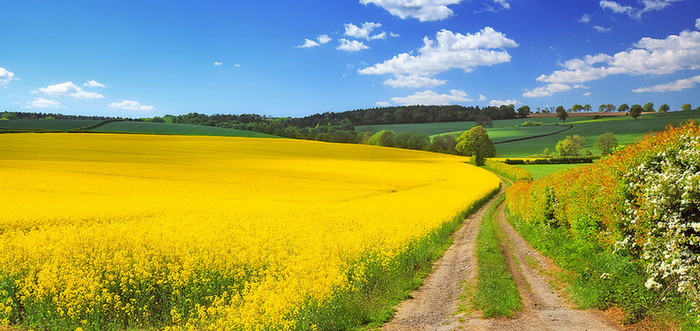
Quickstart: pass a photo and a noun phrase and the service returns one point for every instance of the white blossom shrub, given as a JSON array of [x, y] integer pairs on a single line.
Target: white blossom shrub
[[663, 218]]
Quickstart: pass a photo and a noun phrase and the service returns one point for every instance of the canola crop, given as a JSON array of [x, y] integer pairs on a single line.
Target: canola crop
[[101, 231]]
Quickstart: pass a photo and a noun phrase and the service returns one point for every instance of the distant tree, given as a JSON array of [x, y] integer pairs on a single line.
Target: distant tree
[[606, 143], [686, 107], [610, 108], [635, 111], [664, 108], [483, 120], [477, 144], [411, 140], [587, 107], [602, 108], [623, 108], [648, 107], [382, 138], [562, 114], [570, 146], [443, 144], [576, 108], [9, 116], [524, 111], [363, 137]]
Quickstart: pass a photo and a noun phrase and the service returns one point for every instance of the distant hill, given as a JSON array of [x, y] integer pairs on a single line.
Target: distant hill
[[45, 124], [175, 129]]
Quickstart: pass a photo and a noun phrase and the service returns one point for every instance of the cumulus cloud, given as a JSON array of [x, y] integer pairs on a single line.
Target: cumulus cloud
[[130, 105], [449, 50], [69, 89], [5, 76], [649, 56], [503, 3], [320, 40], [43, 103], [498, 103], [94, 83], [547, 90], [429, 97], [585, 18], [679, 85], [351, 45], [217, 63], [586, 94], [383, 104], [363, 32], [413, 81], [697, 23], [649, 5], [423, 10], [482, 97]]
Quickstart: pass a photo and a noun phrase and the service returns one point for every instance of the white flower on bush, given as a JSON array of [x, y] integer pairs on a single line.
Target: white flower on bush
[[664, 214]]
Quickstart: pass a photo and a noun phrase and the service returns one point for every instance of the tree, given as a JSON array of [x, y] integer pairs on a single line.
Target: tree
[[562, 114], [686, 107], [382, 138], [635, 111], [587, 107], [9, 116], [524, 111], [664, 108], [602, 108], [623, 108], [570, 146], [443, 144], [477, 144], [648, 107], [576, 108], [610, 108], [483, 120], [606, 143]]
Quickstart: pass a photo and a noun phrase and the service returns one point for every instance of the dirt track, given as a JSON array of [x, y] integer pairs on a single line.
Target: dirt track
[[434, 304]]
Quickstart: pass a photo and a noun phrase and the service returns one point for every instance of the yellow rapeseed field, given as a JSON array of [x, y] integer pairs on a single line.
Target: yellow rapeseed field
[[109, 231]]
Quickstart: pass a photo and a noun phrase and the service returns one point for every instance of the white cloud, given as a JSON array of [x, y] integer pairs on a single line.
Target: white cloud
[[586, 94], [364, 32], [383, 104], [423, 10], [237, 65], [130, 105], [69, 89], [503, 3], [324, 38], [678, 85], [649, 5], [498, 103], [697, 23], [351, 45], [482, 97], [601, 29], [395, 35], [585, 18], [43, 103], [217, 63], [5, 76], [431, 98], [414, 81], [94, 83], [648, 57], [308, 43], [449, 50], [548, 90]]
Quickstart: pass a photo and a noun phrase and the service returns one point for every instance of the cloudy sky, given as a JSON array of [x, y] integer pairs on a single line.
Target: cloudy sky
[[299, 57]]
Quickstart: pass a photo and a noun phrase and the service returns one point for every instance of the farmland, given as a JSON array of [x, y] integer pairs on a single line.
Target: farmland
[[113, 231], [43, 124], [177, 129]]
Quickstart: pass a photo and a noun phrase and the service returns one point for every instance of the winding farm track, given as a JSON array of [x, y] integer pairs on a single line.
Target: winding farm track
[[434, 305]]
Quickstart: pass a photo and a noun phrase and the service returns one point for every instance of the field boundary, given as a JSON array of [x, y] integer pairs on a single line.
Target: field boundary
[[567, 127]]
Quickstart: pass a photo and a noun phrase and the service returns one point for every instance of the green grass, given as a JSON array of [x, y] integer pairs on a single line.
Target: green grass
[[625, 129], [431, 129], [496, 292], [508, 133], [543, 170], [175, 129], [61, 125]]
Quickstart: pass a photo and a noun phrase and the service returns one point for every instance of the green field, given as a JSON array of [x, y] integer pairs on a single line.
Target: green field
[[513, 132], [175, 129], [543, 170], [61, 125], [431, 129]]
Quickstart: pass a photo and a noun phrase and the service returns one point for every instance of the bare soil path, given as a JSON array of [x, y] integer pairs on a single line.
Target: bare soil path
[[434, 304]]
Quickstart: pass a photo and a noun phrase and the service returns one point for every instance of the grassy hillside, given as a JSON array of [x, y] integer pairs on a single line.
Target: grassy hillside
[[431, 129], [176, 129], [500, 134], [43, 124], [626, 130]]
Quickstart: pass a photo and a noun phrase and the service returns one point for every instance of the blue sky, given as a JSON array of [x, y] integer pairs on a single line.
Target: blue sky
[[299, 57]]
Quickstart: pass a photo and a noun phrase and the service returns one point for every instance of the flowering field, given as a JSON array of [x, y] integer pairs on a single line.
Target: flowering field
[[103, 231], [642, 202]]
